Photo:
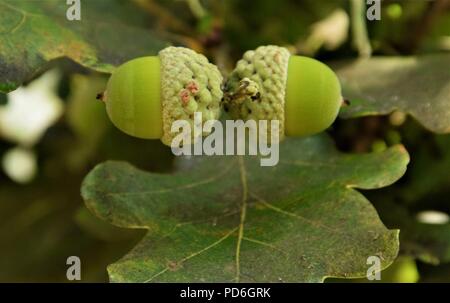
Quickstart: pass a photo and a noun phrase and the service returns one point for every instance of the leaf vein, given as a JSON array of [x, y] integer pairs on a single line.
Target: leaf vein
[[264, 244], [226, 236], [294, 215], [166, 190], [243, 175]]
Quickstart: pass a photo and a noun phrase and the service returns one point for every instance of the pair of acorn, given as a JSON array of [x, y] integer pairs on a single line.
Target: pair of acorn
[[146, 95]]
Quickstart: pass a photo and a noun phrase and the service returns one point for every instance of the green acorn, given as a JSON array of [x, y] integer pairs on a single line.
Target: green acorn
[[271, 84], [145, 96]]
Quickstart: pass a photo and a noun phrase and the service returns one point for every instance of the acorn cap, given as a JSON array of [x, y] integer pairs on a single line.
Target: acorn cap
[[266, 69], [189, 83], [270, 84], [145, 96]]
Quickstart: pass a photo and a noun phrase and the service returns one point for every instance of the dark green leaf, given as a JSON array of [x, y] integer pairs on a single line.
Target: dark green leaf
[[229, 219], [32, 33], [419, 86]]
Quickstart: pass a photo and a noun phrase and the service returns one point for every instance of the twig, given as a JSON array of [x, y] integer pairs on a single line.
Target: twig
[[196, 8], [165, 17], [359, 28]]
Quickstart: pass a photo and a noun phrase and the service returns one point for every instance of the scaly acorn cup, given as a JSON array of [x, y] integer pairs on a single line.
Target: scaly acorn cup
[[145, 95], [271, 84]]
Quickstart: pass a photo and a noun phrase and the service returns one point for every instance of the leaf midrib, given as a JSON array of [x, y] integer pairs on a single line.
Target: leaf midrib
[[239, 228]]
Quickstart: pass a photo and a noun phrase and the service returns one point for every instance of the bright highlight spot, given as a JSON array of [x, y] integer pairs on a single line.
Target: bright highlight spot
[[31, 110], [394, 11], [20, 165], [330, 32], [432, 217]]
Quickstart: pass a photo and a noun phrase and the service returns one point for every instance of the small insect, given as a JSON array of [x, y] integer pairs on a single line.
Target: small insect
[[100, 96], [246, 90]]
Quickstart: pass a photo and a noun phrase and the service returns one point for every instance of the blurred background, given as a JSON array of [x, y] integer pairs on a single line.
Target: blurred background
[[53, 132]]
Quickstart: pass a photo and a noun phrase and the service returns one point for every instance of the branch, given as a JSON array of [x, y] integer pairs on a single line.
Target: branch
[[359, 28]]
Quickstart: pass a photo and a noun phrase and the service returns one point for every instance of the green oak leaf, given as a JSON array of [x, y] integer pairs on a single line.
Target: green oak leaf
[[226, 218], [32, 33], [419, 86]]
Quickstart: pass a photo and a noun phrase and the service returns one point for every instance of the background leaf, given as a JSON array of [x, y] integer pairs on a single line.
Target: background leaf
[[32, 33], [429, 243], [419, 86], [226, 219]]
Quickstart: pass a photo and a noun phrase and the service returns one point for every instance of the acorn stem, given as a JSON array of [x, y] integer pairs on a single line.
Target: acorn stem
[[345, 102], [101, 96]]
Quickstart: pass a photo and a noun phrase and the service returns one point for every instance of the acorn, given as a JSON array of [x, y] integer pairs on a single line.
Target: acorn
[[269, 83], [146, 95]]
